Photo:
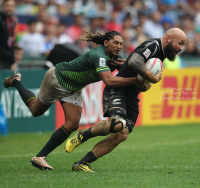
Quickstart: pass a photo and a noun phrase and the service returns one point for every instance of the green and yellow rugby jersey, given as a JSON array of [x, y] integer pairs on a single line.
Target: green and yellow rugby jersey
[[76, 74]]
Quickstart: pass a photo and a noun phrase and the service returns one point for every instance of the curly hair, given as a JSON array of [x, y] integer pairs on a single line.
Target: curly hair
[[97, 37]]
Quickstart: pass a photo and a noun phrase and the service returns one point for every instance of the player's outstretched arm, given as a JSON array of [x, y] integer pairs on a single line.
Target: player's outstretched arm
[[116, 81]]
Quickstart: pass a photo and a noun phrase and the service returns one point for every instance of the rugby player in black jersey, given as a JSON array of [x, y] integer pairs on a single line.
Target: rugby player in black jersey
[[121, 104]]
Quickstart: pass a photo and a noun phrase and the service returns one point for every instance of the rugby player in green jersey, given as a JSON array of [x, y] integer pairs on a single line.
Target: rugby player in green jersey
[[65, 82]]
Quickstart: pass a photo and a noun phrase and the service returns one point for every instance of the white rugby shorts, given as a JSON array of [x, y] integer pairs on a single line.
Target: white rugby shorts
[[51, 91]]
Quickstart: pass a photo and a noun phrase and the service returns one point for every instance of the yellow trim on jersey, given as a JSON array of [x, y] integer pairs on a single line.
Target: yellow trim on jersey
[[102, 68]]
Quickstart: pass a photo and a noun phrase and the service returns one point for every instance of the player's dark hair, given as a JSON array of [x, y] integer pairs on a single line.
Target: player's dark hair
[[98, 38]]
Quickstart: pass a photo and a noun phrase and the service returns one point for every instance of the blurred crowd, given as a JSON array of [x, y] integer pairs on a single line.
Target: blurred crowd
[[41, 24]]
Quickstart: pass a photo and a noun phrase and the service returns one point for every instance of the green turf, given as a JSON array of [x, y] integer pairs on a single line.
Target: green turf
[[152, 157]]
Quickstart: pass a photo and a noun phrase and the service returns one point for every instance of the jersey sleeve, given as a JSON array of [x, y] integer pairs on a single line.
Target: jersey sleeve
[[100, 63], [149, 50]]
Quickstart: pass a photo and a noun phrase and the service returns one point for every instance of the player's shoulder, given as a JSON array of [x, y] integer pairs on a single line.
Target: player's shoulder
[[149, 48], [98, 52], [152, 42]]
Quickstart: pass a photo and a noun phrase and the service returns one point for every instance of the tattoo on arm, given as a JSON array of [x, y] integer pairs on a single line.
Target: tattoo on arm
[[137, 64]]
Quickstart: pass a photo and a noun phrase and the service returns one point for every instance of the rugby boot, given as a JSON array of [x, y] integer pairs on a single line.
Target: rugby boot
[[8, 81]]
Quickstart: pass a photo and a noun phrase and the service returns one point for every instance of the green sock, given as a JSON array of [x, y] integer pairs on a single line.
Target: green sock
[[26, 95]]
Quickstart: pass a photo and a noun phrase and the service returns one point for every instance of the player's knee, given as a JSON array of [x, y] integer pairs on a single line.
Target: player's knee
[[71, 126], [117, 124], [35, 113], [118, 121], [118, 127], [121, 136]]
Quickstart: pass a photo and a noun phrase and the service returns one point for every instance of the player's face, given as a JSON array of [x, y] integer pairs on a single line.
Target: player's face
[[114, 46], [9, 7], [174, 47]]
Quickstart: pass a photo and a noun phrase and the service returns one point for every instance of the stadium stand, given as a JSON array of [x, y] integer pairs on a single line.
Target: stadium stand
[[135, 19]]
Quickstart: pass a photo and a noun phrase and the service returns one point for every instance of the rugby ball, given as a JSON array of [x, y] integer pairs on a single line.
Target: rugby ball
[[154, 65]]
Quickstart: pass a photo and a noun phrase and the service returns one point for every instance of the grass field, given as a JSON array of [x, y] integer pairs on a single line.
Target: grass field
[[152, 157]]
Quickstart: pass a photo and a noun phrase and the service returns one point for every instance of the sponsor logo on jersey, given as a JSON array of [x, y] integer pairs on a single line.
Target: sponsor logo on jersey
[[116, 101], [102, 62], [147, 53]]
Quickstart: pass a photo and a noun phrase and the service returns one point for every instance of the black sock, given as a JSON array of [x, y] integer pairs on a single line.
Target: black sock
[[89, 158], [56, 139], [87, 135], [26, 95]]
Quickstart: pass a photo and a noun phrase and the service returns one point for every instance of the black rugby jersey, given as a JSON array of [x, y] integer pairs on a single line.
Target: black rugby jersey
[[151, 48]]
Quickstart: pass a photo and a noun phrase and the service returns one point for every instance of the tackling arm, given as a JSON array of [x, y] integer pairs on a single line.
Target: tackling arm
[[116, 81]]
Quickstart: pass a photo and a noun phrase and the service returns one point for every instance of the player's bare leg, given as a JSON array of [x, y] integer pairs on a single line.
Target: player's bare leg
[[72, 116], [59, 136], [100, 149], [102, 128], [37, 108], [108, 144]]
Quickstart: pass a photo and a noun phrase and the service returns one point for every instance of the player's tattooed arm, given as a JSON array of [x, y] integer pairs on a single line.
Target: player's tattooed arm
[[137, 64]]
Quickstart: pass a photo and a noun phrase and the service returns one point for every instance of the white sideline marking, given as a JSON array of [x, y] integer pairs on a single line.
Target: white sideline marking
[[122, 147], [26, 155]]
